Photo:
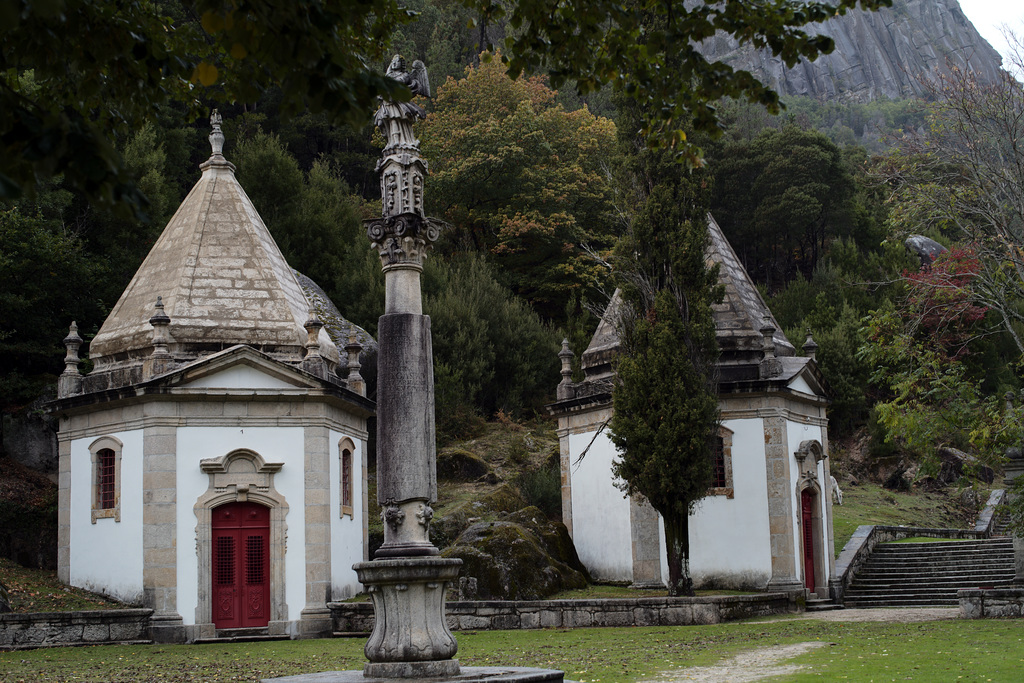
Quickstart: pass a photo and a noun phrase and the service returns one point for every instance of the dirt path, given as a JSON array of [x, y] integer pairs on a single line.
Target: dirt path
[[753, 665], [765, 662]]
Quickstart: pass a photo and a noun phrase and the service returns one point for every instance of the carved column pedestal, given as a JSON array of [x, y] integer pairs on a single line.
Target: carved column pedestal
[[410, 638]]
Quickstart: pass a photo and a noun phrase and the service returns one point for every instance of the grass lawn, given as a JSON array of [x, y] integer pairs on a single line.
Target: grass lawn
[[930, 651], [872, 504], [35, 590]]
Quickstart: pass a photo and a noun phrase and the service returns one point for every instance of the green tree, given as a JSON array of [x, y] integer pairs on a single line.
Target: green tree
[[312, 216], [520, 179], [665, 399], [780, 198], [132, 58]]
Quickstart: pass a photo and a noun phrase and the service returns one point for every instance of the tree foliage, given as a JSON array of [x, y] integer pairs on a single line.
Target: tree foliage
[[665, 398], [964, 177], [520, 179], [656, 63], [780, 199], [75, 73]]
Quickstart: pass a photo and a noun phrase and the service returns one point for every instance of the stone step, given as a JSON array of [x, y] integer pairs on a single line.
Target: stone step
[[821, 605], [913, 583], [940, 552], [241, 635], [883, 572], [953, 561]]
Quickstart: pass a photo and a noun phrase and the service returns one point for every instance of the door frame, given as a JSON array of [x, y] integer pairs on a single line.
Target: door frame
[[238, 477]]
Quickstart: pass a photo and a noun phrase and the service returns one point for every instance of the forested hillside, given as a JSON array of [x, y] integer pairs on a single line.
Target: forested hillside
[[529, 182]]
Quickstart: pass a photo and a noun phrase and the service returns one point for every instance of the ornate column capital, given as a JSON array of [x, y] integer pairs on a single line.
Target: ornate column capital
[[402, 241]]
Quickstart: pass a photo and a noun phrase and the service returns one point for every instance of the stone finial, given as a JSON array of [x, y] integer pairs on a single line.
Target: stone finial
[[217, 136], [313, 327], [770, 365], [313, 362], [70, 381], [160, 321], [354, 380], [565, 386], [810, 346], [159, 360]]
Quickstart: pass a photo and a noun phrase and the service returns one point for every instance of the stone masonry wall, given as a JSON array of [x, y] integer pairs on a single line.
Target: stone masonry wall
[[353, 617], [990, 603], [94, 627]]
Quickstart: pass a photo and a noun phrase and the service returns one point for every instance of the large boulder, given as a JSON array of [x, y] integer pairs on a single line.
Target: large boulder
[[458, 464], [520, 557], [954, 464]]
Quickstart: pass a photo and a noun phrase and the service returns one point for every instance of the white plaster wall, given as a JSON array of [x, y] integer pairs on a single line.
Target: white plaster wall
[[346, 531], [239, 377], [274, 444], [797, 433], [106, 557], [600, 511], [729, 537]]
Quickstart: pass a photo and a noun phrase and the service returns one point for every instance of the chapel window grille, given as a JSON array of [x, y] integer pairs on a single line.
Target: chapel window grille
[[346, 479], [254, 561], [106, 478], [224, 572], [721, 465]]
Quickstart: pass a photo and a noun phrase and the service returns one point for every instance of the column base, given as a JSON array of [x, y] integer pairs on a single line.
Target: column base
[[408, 605], [167, 627], [443, 668], [315, 622]]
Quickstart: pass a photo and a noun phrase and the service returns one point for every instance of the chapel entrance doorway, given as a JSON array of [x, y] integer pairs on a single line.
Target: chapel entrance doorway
[[807, 517], [240, 565]]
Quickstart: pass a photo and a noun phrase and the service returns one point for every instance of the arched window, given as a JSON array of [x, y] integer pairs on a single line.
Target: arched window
[[346, 448], [721, 466], [106, 478]]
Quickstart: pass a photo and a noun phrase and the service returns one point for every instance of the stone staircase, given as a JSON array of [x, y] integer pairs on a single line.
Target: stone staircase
[[929, 574]]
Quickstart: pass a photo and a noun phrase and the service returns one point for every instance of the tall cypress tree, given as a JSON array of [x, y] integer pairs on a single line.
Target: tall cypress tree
[[666, 414]]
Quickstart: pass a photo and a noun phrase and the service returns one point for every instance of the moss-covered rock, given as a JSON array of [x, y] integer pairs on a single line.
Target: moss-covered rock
[[506, 560], [503, 498], [458, 464], [5, 600], [554, 536]]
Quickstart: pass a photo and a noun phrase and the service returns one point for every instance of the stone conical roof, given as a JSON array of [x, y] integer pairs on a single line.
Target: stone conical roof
[[223, 281], [738, 318]]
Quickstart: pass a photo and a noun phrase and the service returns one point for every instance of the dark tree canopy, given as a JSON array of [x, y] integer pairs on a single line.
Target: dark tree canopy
[[77, 73]]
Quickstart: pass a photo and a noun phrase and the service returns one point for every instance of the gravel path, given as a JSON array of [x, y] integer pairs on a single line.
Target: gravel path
[[765, 662]]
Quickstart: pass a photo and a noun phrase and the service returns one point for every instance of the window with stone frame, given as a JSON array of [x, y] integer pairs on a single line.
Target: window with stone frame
[[721, 474], [346, 477], [106, 478]]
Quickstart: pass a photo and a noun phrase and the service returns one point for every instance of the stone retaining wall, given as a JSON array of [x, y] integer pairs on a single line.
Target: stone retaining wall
[[356, 617], [988, 603], [93, 627]]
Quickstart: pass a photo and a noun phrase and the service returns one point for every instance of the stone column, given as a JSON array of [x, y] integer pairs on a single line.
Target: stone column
[[407, 582], [646, 544], [1015, 468]]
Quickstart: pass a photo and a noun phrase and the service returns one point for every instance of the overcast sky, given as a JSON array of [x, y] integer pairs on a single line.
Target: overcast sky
[[988, 16]]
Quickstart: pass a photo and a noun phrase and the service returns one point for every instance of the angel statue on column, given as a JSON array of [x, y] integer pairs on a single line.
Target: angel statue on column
[[395, 119]]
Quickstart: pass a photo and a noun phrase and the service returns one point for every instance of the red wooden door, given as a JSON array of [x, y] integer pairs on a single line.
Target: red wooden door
[[807, 508], [241, 565]]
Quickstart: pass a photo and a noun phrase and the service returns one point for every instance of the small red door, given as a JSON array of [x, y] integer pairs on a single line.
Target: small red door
[[807, 507], [241, 565]]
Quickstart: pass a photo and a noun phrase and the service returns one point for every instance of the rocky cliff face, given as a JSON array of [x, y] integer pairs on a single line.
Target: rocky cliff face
[[891, 52]]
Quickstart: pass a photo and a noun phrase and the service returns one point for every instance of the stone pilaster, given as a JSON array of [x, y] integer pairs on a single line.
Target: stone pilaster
[[780, 505], [64, 508], [315, 620], [159, 532], [646, 544], [565, 475]]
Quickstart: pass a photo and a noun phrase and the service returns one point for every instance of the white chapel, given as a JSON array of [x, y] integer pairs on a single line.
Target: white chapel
[[212, 465], [767, 521]]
